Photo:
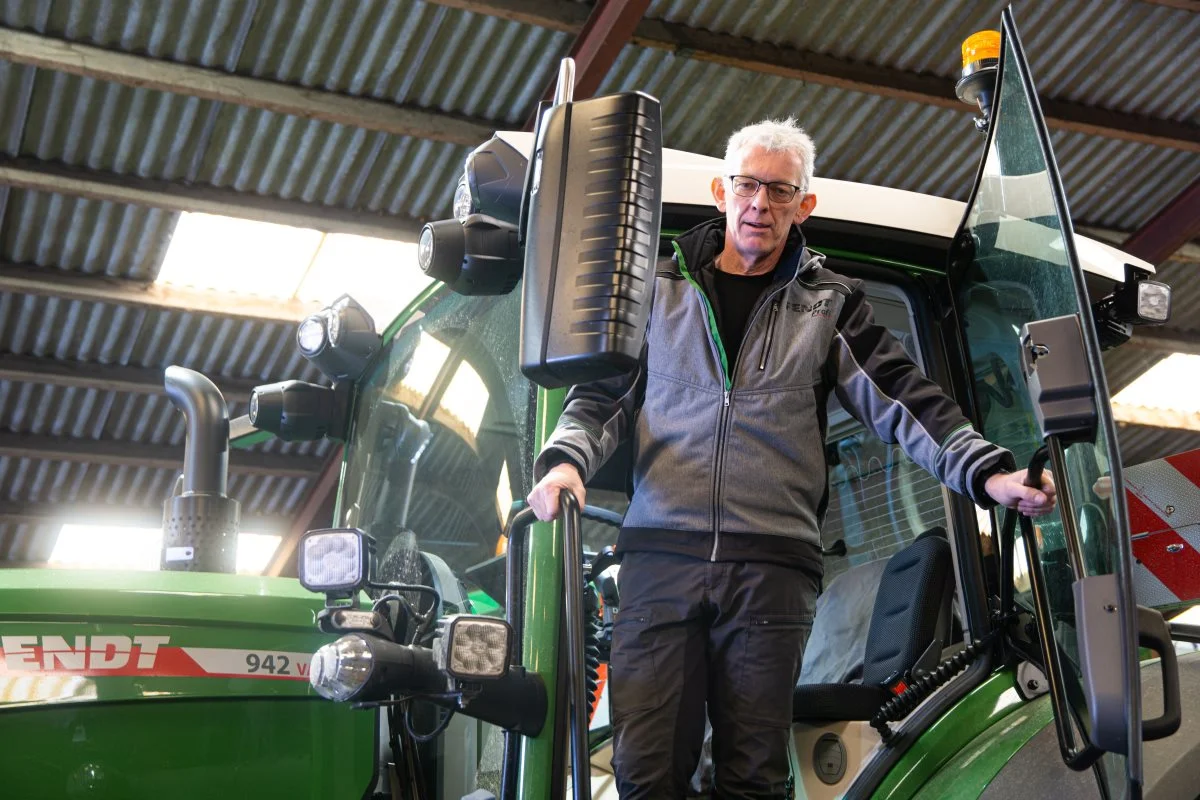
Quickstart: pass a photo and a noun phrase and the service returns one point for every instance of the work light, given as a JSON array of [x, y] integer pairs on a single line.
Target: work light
[[477, 252], [471, 647], [298, 411], [333, 561], [1137, 300], [340, 669], [339, 340], [1149, 305]]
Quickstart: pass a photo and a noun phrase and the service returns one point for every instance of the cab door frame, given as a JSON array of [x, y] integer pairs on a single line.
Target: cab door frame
[[1030, 176]]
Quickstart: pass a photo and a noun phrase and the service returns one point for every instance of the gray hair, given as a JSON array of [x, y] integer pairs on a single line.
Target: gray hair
[[774, 136]]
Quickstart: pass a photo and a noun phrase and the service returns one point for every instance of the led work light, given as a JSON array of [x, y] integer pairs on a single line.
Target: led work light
[[334, 561], [1135, 301], [472, 648], [478, 251]]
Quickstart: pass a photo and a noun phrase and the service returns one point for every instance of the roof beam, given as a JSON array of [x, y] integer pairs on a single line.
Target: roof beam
[[44, 447], [1188, 253], [805, 65], [102, 377], [21, 47], [608, 28], [68, 285], [1168, 230], [1165, 340], [42, 176], [319, 494]]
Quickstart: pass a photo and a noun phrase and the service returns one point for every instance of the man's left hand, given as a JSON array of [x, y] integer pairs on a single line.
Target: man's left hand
[[1010, 491]]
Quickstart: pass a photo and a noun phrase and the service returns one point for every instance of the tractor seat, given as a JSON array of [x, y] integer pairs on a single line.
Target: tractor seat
[[909, 624]]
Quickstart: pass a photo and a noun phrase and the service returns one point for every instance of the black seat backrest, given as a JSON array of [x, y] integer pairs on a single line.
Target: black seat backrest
[[910, 608]]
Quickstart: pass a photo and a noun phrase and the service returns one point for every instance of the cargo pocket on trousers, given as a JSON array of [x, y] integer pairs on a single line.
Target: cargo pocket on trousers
[[770, 666], [634, 674]]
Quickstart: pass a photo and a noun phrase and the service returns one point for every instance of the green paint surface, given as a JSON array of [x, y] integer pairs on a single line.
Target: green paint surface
[[864, 258], [543, 612], [986, 705], [148, 735], [158, 596], [975, 766], [188, 750]]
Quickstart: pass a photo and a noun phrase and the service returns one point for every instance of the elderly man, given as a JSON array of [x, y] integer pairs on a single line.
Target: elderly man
[[748, 334]]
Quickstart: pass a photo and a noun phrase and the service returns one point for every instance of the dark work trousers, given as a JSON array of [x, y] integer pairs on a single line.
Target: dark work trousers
[[692, 633]]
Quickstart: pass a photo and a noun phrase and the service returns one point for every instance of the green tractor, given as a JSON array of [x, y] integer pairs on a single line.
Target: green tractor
[[442, 644]]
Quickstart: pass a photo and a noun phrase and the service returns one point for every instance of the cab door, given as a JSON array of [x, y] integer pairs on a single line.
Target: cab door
[[1015, 263]]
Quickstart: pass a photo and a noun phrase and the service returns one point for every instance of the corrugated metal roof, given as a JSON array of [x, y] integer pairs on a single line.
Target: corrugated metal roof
[[91, 236], [64, 483], [25, 542], [884, 141], [85, 122], [1140, 444], [77, 330], [1078, 49]]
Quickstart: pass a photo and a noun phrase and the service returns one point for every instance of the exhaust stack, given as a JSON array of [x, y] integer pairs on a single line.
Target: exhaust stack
[[200, 522]]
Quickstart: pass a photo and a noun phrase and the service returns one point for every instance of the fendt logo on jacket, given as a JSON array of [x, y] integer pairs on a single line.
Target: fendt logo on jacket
[[821, 308]]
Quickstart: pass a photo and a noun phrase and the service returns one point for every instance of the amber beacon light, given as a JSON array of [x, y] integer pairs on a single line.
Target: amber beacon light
[[980, 58]]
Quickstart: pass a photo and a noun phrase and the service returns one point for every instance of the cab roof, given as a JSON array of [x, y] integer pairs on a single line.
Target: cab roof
[[688, 178]]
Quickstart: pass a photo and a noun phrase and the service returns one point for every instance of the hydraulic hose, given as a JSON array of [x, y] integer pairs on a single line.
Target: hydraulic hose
[[591, 652], [901, 705]]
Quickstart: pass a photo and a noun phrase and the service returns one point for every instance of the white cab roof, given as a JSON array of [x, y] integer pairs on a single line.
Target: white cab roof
[[687, 179]]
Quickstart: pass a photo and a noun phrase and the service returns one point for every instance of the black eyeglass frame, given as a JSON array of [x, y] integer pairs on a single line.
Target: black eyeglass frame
[[770, 188]]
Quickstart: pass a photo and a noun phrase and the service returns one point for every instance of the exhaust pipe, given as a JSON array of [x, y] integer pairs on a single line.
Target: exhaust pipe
[[200, 522]]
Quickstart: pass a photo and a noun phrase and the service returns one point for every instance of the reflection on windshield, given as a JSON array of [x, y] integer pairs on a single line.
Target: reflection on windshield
[[440, 433], [459, 404]]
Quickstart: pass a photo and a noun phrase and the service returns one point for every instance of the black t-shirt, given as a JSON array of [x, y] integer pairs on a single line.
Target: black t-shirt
[[736, 296]]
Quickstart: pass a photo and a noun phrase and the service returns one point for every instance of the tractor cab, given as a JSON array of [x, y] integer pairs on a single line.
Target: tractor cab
[[478, 637]]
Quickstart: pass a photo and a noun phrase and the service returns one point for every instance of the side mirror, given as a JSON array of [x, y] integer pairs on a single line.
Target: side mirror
[[1054, 360], [594, 210]]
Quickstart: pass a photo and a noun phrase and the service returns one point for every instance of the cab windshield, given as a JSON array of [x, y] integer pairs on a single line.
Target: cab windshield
[[441, 445]]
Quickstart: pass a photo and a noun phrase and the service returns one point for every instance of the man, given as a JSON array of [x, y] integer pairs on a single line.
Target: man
[[747, 336]]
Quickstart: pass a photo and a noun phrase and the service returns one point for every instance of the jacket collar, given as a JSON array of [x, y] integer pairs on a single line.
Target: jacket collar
[[701, 244]]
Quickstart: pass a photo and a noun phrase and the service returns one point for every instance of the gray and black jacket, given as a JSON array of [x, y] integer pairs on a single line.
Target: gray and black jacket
[[729, 455]]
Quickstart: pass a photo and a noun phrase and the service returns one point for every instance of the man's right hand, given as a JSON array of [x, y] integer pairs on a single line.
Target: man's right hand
[[544, 497]]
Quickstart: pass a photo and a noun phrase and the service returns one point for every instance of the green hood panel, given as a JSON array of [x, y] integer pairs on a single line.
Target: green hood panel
[[294, 749], [71, 636], [163, 597]]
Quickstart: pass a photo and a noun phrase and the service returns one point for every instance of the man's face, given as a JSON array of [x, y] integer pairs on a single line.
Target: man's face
[[757, 228]]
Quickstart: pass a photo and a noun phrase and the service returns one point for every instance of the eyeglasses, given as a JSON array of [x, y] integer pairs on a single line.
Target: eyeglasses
[[777, 191]]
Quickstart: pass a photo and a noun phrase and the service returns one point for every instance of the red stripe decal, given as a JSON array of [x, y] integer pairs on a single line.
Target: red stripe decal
[[1188, 464], [165, 662], [1179, 571]]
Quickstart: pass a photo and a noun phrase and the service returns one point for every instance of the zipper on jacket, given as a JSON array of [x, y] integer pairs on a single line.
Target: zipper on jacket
[[762, 363], [723, 418], [728, 375], [727, 386]]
